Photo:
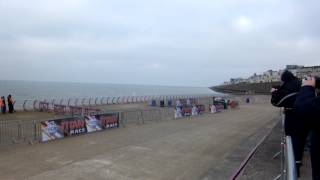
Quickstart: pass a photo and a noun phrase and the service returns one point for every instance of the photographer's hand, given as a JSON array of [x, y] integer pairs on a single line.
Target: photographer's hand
[[310, 81]]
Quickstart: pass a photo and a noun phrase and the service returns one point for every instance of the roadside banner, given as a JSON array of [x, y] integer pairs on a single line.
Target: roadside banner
[[60, 128], [102, 121]]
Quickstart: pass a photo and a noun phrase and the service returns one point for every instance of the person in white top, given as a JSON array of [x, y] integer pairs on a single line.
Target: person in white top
[[194, 110], [213, 108]]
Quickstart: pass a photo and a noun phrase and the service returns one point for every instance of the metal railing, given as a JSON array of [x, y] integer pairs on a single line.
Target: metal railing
[[29, 131], [291, 172], [33, 104], [19, 131], [287, 160]]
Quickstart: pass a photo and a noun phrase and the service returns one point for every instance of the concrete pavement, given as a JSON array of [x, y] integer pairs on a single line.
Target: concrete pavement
[[189, 148]]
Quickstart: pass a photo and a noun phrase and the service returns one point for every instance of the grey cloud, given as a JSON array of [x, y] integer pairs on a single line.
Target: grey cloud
[[155, 42]]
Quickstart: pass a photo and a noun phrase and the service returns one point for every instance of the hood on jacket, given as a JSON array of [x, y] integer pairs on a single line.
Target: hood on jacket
[[287, 76]]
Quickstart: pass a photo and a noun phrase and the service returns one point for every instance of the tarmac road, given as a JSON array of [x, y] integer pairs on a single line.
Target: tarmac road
[[189, 148]]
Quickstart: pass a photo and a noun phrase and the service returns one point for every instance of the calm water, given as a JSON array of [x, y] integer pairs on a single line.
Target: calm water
[[22, 90]]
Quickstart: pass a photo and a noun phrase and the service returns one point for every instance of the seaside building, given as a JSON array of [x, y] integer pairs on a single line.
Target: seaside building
[[306, 71], [274, 76]]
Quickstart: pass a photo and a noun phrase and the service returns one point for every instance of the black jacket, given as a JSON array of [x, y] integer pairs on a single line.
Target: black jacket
[[286, 95], [307, 102]]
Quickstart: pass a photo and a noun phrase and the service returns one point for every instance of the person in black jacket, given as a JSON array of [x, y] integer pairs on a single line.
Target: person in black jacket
[[285, 96], [307, 104], [10, 104]]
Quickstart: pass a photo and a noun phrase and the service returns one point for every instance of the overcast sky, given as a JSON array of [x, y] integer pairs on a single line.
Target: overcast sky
[[165, 42]]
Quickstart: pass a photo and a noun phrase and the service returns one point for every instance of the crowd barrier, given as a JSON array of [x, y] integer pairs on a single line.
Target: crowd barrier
[[29, 131]]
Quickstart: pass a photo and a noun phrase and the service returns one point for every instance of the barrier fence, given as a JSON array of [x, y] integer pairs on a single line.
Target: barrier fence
[[49, 104], [288, 163], [291, 173], [29, 131]]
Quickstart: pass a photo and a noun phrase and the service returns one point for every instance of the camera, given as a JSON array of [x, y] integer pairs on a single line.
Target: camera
[[317, 78]]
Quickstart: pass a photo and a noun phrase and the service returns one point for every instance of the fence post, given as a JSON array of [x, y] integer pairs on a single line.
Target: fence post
[[34, 105], [34, 130], [90, 101], [121, 123], [290, 161], [141, 115], [95, 101], [24, 105], [19, 130]]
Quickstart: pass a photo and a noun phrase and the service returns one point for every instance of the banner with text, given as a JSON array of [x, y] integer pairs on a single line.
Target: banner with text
[[60, 128]]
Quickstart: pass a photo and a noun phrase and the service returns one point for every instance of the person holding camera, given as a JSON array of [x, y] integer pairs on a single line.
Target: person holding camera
[[285, 96], [307, 104]]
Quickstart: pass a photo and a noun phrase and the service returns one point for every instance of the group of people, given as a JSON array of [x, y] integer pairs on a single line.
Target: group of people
[[3, 104], [302, 111]]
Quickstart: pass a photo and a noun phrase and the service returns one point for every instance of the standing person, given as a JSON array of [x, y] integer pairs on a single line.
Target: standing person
[[285, 96], [3, 105], [307, 105], [10, 104]]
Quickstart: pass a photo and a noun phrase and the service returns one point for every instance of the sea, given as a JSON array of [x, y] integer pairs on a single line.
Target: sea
[[29, 90]]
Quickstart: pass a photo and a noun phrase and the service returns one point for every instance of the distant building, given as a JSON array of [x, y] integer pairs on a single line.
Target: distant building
[[306, 71], [237, 80], [275, 76]]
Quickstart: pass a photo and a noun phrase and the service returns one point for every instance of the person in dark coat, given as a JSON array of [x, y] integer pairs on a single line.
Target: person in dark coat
[[3, 105], [307, 104], [285, 96], [10, 104]]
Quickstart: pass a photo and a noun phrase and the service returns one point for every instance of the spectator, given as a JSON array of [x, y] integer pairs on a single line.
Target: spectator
[[178, 113], [178, 104], [194, 111], [213, 108], [247, 100], [188, 102], [285, 96], [10, 104], [307, 105], [3, 105]]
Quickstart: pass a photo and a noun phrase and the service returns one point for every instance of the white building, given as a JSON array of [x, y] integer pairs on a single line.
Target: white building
[[275, 76]]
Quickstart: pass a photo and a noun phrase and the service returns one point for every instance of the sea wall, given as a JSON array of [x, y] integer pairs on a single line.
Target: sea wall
[[246, 88], [257, 99]]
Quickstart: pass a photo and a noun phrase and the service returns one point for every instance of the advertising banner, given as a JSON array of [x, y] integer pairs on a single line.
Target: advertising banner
[[60, 128], [102, 121]]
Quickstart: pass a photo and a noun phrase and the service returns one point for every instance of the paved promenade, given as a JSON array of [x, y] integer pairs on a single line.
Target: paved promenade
[[210, 146]]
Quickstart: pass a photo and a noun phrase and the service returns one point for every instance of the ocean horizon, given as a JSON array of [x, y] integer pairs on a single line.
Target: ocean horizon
[[40, 90]]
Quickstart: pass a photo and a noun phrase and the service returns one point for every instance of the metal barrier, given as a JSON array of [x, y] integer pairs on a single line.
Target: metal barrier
[[29, 131], [19, 131], [291, 172], [288, 165], [48, 105]]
